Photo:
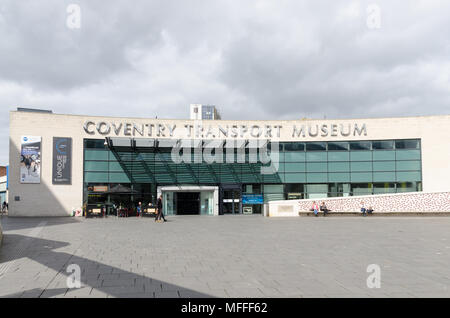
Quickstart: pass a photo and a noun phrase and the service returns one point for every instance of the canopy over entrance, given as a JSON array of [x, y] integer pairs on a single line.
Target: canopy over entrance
[[121, 189]]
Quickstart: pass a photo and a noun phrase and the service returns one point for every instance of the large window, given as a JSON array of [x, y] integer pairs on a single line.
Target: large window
[[340, 167], [367, 167]]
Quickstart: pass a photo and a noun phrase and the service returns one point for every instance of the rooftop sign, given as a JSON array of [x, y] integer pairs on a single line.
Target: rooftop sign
[[221, 131]]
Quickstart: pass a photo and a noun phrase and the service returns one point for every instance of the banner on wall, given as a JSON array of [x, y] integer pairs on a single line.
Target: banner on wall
[[252, 199], [62, 160], [30, 159]]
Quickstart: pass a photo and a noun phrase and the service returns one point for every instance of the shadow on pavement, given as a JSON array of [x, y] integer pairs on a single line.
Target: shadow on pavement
[[97, 279], [13, 223]]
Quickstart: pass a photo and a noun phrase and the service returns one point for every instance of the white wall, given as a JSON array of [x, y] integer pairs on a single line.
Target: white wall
[[418, 202]]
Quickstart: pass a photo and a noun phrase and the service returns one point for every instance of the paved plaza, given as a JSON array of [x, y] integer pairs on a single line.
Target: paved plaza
[[226, 256]]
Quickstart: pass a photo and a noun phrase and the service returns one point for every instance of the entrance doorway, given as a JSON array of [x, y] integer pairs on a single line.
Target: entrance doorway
[[190, 199], [188, 203], [230, 201]]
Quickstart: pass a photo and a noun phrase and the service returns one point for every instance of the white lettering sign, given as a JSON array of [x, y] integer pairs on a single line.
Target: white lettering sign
[[224, 131]]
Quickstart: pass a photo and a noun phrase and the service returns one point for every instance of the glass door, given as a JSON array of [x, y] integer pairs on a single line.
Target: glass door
[[231, 200], [206, 202], [169, 203]]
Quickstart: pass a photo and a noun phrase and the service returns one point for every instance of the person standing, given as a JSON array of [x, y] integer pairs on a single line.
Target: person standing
[[160, 210]]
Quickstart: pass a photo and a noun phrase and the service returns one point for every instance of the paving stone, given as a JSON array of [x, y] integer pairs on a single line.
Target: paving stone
[[118, 282], [83, 292], [167, 294], [54, 292], [229, 257]]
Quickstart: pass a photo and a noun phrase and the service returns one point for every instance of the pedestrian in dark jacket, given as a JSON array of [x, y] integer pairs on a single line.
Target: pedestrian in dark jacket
[[160, 214]]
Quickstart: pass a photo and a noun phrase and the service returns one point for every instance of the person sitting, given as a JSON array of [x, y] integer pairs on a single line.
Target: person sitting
[[315, 208], [369, 210], [324, 208], [363, 208]]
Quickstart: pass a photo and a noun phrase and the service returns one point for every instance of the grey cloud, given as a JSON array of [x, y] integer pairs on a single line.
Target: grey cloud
[[42, 51], [254, 59], [350, 71]]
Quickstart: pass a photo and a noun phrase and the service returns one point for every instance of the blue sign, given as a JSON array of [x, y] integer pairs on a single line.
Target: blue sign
[[252, 199]]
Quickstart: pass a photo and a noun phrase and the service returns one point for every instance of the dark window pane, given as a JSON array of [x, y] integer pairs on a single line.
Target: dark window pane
[[315, 146], [294, 146], [294, 187], [383, 144], [360, 145], [407, 144], [342, 146], [95, 143]]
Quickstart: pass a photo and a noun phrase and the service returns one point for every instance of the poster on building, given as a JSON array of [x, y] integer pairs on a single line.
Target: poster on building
[[252, 199], [30, 160], [62, 160]]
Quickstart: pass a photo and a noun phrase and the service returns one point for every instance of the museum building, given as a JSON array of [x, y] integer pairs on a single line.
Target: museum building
[[61, 163]]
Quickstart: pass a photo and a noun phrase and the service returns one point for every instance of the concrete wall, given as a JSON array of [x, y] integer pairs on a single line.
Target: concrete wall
[[45, 199], [421, 202]]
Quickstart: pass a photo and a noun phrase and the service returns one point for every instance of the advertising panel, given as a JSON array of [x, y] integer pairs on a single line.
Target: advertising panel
[[30, 159], [62, 160]]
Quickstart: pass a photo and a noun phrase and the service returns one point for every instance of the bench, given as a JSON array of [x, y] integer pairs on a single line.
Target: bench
[[330, 212]]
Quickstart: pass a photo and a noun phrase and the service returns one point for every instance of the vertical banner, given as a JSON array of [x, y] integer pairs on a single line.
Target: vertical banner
[[62, 160], [30, 160]]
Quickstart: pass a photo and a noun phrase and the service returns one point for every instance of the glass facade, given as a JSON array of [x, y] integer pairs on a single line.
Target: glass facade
[[306, 170], [208, 112]]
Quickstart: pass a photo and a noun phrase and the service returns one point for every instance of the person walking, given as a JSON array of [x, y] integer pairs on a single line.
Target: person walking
[[139, 209], [315, 208], [160, 214]]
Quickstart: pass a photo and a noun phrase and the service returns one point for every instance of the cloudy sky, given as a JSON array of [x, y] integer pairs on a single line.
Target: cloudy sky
[[254, 59]]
